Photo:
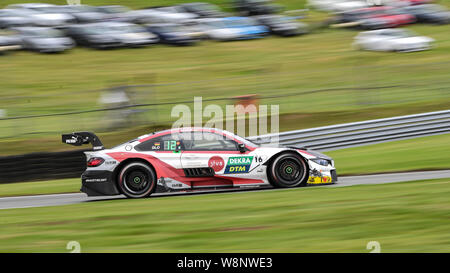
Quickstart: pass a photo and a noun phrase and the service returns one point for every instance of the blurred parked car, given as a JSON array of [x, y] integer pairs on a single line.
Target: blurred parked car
[[44, 40], [15, 17], [9, 41], [375, 18], [174, 34], [43, 15], [282, 25], [80, 13], [157, 15], [203, 10], [429, 13], [116, 13], [111, 35], [52, 19], [233, 28], [399, 40], [256, 7]]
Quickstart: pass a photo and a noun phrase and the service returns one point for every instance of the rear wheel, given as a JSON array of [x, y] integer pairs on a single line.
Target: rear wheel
[[137, 180], [288, 170]]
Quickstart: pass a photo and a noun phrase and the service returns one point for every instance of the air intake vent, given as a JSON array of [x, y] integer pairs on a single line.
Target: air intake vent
[[199, 172]]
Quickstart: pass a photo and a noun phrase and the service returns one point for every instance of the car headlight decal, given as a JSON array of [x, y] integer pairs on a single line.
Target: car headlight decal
[[321, 161]]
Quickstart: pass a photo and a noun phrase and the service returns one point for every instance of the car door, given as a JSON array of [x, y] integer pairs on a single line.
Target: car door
[[202, 146], [212, 151]]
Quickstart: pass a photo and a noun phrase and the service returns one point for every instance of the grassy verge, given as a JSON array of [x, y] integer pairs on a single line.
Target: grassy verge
[[42, 187], [427, 153], [402, 217]]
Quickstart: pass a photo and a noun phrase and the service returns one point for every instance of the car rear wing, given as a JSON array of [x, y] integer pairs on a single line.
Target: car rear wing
[[80, 138]]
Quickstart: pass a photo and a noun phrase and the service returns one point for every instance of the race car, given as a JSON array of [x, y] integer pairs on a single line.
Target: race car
[[192, 159]]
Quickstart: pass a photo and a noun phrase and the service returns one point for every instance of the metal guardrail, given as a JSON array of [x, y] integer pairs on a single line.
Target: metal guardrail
[[347, 135]]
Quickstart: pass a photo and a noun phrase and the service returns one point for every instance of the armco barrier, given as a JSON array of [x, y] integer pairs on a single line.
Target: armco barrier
[[39, 166], [365, 132]]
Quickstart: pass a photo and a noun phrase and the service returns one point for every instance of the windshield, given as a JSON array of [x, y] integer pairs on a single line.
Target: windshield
[[242, 140]]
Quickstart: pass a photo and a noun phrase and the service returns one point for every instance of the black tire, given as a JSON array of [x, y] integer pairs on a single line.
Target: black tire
[[288, 170], [137, 180]]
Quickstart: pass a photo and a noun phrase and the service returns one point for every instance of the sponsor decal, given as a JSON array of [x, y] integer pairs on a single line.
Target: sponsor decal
[[71, 140], [110, 162], [320, 180], [156, 146], [239, 164], [96, 180], [217, 163]]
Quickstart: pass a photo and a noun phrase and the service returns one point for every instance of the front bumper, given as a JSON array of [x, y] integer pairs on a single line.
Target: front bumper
[[98, 183], [322, 177]]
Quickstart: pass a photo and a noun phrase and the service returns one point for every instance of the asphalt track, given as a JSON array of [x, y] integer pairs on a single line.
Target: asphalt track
[[75, 198]]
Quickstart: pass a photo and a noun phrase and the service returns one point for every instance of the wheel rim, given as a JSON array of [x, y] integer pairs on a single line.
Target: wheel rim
[[290, 171], [136, 182]]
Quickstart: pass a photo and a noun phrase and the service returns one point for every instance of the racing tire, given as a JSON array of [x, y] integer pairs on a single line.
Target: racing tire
[[288, 170], [137, 180]]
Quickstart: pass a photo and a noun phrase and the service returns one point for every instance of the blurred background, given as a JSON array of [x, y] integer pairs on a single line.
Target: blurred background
[[119, 69]]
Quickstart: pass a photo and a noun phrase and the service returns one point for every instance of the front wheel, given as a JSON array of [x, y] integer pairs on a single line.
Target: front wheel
[[137, 180], [288, 170]]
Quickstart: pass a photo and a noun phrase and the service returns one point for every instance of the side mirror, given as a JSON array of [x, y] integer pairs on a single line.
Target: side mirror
[[241, 147]]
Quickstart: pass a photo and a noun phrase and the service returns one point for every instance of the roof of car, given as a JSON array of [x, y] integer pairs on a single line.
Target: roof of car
[[183, 130]]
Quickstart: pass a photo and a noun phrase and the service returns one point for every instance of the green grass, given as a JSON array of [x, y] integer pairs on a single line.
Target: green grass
[[42, 187], [427, 153], [402, 217]]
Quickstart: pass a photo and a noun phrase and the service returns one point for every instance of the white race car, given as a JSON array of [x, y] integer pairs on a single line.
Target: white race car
[[190, 159], [399, 40]]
